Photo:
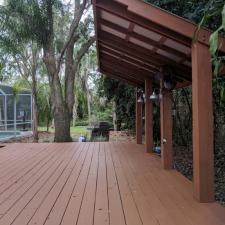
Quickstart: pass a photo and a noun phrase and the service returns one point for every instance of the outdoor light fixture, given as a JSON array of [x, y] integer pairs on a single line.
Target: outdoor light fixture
[[169, 83], [174, 111], [141, 98], [156, 95], [167, 76]]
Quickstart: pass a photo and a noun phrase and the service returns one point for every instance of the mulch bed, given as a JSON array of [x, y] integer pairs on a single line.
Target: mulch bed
[[43, 137], [120, 136], [183, 162]]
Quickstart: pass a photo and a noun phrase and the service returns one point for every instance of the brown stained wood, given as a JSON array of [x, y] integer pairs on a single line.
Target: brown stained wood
[[203, 153], [166, 20], [166, 123], [136, 61], [134, 49], [189, 210], [87, 208], [19, 179], [117, 76], [131, 212], [101, 214], [122, 73], [15, 204], [100, 184], [71, 214], [148, 117], [58, 204], [183, 84], [125, 67], [156, 45], [129, 62], [138, 117], [116, 211], [160, 44], [122, 12], [129, 31]]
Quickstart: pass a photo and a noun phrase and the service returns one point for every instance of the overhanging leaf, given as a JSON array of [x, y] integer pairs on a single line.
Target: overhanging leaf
[[214, 42], [223, 17]]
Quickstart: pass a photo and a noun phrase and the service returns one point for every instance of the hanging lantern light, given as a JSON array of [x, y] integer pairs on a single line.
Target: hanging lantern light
[[174, 112], [156, 95], [141, 98]]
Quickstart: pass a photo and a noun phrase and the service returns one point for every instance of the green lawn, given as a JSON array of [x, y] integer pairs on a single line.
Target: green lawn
[[76, 132]]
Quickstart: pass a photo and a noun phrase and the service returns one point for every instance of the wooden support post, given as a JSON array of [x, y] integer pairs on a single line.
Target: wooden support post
[[138, 120], [203, 162], [166, 123], [148, 117]]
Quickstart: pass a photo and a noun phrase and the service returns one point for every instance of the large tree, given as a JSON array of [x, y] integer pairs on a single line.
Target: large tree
[[41, 21]]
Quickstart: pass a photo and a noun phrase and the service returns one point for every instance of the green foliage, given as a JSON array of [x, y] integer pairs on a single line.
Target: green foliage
[[28, 19], [44, 105], [82, 122], [124, 97], [16, 88], [209, 13]]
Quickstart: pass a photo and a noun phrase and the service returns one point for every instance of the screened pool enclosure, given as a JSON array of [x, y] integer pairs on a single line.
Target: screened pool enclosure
[[15, 112]]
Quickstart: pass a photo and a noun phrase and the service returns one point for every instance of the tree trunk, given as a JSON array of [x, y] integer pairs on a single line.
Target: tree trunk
[[114, 116], [34, 94], [35, 117], [89, 107], [75, 112], [47, 124], [62, 125], [63, 101]]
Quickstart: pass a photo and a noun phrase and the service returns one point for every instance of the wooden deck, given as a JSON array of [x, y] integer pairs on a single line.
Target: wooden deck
[[95, 183]]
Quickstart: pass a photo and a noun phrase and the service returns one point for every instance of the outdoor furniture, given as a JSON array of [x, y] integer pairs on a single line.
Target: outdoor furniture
[[100, 131]]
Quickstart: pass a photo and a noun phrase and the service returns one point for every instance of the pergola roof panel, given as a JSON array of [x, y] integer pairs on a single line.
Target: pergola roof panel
[[115, 19], [169, 55], [140, 43], [138, 34], [175, 45], [147, 33], [112, 31]]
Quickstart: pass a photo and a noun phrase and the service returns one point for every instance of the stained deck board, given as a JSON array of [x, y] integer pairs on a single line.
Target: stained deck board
[[95, 184]]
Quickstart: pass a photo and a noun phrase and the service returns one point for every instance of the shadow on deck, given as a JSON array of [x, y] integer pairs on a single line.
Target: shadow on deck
[[95, 183]]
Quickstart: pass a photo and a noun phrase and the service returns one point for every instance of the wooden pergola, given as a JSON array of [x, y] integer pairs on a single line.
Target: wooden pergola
[[134, 41]]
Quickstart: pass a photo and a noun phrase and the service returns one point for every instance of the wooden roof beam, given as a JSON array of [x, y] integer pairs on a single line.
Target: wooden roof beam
[[130, 57], [154, 57], [155, 44], [135, 50], [125, 67], [131, 61], [130, 30], [129, 69], [124, 74], [118, 77], [168, 20], [121, 11], [159, 45]]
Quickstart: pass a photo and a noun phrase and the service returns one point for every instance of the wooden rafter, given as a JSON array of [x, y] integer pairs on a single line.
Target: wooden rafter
[[122, 12], [129, 32], [119, 65], [128, 57], [117, 75], [157, 45], [137, 51], [129, 62], [160, 45]]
